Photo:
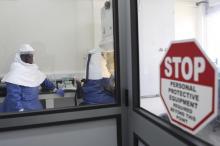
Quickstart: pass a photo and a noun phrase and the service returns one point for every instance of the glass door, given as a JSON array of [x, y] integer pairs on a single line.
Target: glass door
[[154, 26]]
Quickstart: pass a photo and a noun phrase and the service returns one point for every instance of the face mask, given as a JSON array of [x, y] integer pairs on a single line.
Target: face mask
[[27, 58]]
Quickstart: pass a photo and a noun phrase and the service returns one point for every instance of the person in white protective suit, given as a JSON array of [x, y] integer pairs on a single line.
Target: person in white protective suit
[[23, 81], [97, 79]]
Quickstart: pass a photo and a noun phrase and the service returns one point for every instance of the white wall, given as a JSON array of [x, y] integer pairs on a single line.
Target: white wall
[[156, 30], [97, 5], [213, 2], [99, 133], [61, 31], [213, 31], [160, 22], [190, 21], [185, 19]]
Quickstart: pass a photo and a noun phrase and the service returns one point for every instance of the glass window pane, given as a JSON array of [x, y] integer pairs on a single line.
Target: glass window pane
[[161, 22], [56, 54]]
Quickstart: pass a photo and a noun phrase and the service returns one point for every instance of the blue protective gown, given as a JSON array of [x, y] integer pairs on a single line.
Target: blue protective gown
[[94, 92], [21, 97]]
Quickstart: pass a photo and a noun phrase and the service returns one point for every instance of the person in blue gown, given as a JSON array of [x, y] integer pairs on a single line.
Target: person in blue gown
[[99, 86], [98, 92], [23, 82]]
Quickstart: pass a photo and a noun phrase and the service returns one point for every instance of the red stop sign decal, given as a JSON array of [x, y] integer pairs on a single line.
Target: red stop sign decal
[[188, 86]]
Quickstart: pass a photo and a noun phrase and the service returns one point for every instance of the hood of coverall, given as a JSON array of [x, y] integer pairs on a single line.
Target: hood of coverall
[[97, 66], [22, 73]]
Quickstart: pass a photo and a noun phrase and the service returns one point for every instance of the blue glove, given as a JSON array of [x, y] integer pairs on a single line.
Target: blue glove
[[60, 92]]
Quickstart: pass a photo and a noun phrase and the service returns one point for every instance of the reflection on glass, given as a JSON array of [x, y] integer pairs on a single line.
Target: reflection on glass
[[163, 21], [64, 54], [140, 143]]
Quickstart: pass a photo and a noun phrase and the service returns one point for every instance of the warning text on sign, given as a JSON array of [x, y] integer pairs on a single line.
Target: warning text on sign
[[185, 101]]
